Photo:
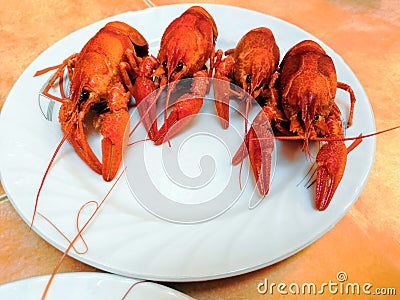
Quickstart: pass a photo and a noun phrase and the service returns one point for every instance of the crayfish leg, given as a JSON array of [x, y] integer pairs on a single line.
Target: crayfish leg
[[347, 88], [59, 74]]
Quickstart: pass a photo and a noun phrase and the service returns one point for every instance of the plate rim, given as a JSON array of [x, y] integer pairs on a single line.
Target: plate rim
[[90, 276]]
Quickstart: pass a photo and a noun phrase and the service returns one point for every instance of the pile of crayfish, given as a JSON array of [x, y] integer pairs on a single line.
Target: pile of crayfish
[[297, 94]]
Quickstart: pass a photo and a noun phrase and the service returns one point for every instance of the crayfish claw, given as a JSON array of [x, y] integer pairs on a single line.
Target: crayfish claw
[[184, 110], [260, 154], [260, 144], [114, 129], [144, 94], [222, 89], [114, 138], [240, 154], [78, 140], [182, 114], [331, 160]]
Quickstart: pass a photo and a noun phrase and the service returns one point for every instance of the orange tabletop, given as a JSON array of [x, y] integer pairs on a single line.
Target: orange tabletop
[[365, 244]]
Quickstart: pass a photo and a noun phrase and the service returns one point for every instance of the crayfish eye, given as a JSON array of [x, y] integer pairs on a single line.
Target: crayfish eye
[[316, 117], [84, 96], [248, 78], [179, 67], [164, 63]]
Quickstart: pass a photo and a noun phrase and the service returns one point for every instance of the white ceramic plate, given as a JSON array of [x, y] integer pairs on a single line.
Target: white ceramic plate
[[82, 285], [194, 236]]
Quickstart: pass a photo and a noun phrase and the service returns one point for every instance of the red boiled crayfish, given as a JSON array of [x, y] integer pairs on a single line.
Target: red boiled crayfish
[[252, 66], [187, 44], [100, 82], [307, 89]]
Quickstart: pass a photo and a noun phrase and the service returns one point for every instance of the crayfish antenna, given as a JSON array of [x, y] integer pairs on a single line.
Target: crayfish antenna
[[170, 89], [45, 176], [336, 139], [79, 235], [244, 151]]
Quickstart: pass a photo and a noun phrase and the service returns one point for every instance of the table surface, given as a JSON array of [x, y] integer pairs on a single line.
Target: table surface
[[365, 244]]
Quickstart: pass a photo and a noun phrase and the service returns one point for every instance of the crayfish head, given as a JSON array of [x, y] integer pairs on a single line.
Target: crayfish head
[[177, 57], [307, 105], [316, 106], [256, 73], [312, 114]]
